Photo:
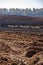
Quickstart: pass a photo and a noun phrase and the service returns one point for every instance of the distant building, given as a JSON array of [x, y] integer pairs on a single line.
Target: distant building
[[22, 12]]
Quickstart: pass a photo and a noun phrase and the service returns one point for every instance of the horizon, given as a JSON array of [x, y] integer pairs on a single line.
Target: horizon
[[21, 4], [20, 8]]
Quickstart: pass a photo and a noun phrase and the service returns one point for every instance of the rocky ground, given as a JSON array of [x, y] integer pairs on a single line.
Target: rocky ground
[[21, 48]]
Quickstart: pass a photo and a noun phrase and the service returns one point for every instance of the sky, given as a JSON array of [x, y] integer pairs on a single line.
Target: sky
[[21, 4]]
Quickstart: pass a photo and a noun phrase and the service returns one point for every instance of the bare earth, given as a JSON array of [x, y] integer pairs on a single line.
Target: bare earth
[[21, 48]]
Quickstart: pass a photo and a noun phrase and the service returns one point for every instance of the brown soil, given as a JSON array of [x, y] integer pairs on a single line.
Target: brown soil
[[21, 48], [20, 20]]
